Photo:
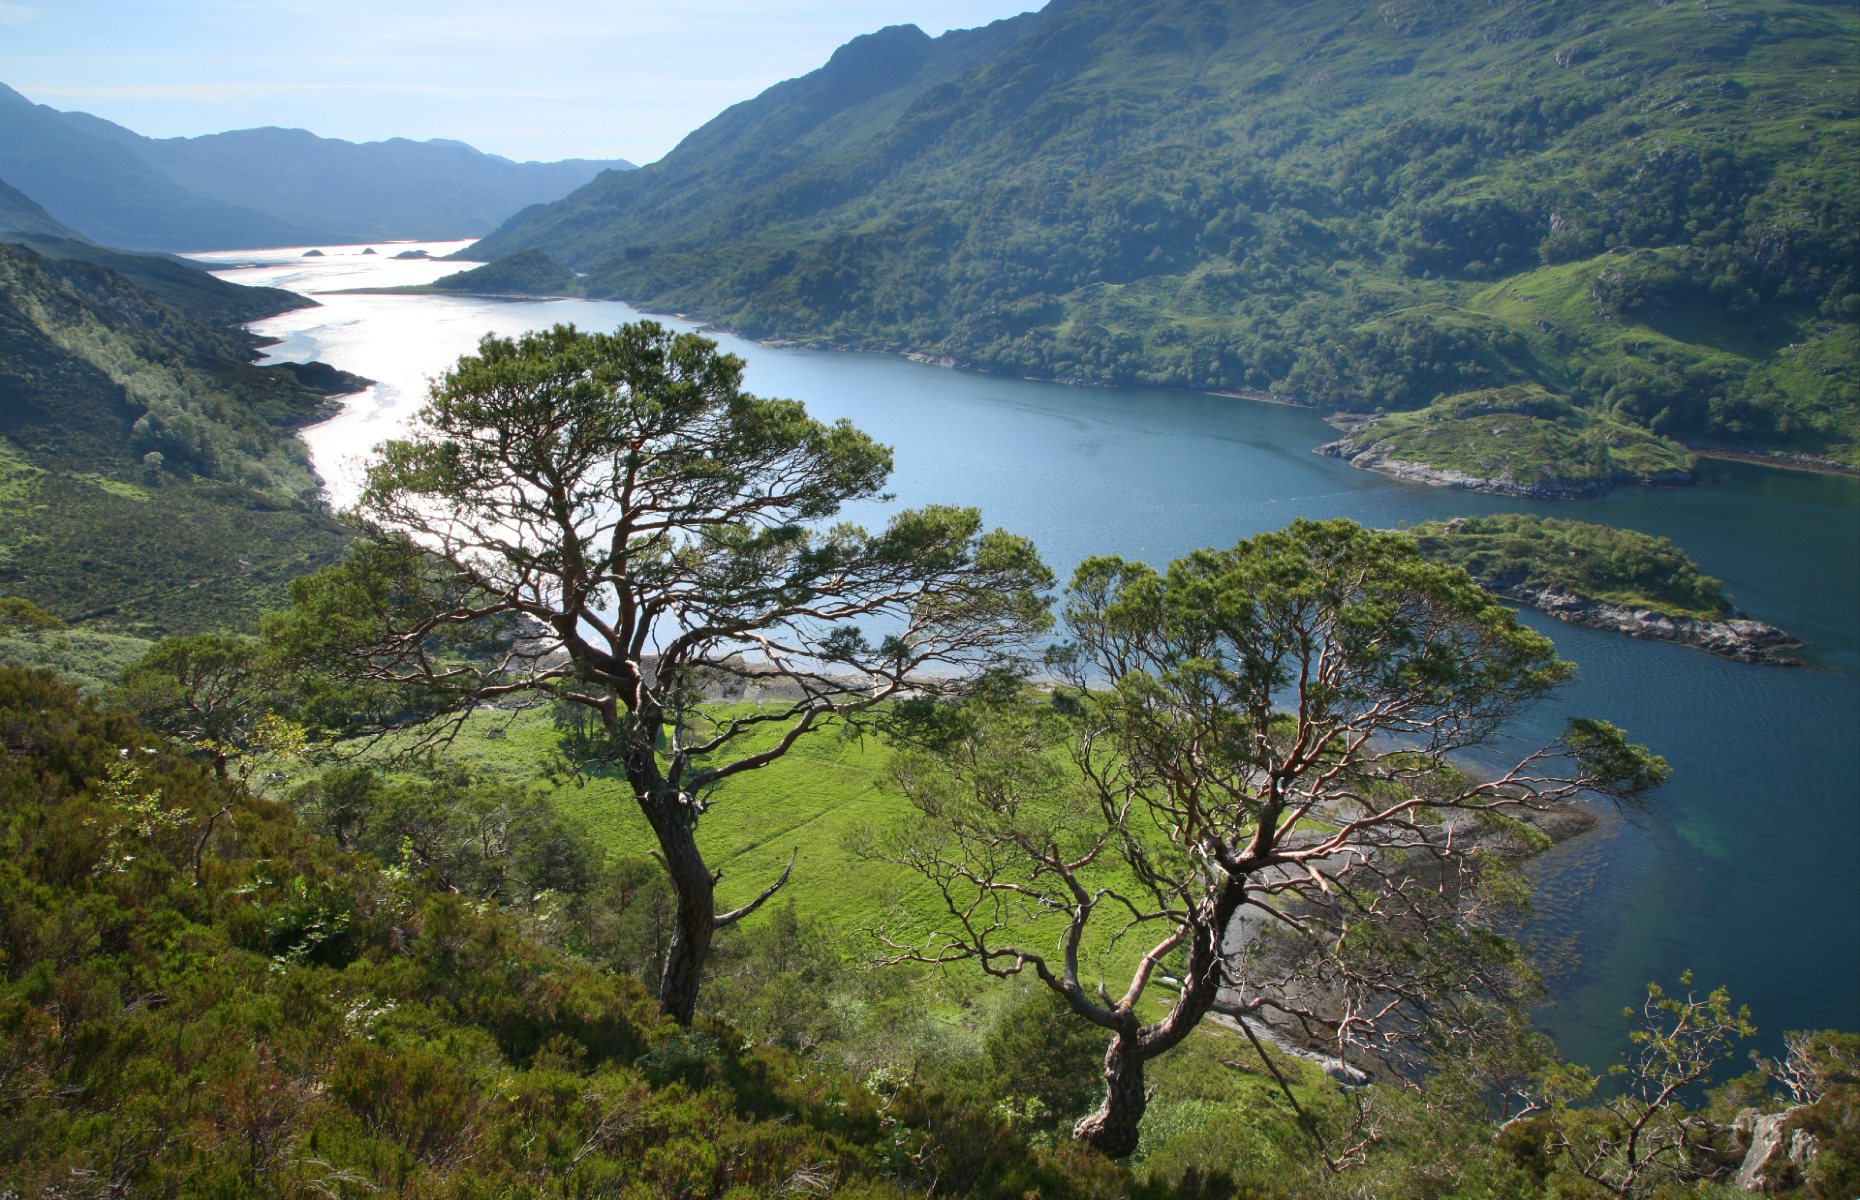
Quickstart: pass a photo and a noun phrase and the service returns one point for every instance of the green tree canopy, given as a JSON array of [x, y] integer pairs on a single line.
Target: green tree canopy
[[609, 521], [1259, 802]]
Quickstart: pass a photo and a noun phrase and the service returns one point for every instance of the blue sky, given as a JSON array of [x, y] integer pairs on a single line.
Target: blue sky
[[541, 79]]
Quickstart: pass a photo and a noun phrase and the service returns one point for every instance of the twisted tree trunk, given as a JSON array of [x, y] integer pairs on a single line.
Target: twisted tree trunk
[[1112, 1130], [695, 886]]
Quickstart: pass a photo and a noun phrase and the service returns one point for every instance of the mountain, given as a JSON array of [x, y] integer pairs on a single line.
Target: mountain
[[371, 191], [179, 282], [20, 217], [94, 181], [1647, 208], [262, 187], [150, 475]]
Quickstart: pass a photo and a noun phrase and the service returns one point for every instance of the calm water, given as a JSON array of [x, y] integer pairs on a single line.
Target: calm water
[[1745, 869]]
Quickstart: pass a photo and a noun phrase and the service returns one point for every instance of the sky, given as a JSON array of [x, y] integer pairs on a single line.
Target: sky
[[528, 79]]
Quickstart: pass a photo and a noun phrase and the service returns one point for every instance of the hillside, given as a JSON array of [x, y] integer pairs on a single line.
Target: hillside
[[99, 187], [262, 187], [150, 477], [1651, 209], [179, 282], [20, 217], [203, 996]]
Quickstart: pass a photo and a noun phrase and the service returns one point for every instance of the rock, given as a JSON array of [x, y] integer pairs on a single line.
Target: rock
[[370, 250], [410, 254], [1367, 458], [1779, 1157], [313, 254], [1343, 1072], [1737, 637]]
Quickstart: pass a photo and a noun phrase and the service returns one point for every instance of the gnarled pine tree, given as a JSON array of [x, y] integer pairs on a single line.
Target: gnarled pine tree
[[1258, 745], [630, 533]]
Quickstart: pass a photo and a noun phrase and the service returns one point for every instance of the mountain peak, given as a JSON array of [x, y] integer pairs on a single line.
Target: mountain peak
[[876, 62]]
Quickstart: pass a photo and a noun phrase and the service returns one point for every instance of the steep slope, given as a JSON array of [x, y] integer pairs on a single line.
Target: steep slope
[[150, 476], [204, 996], [262, 187], [20, 217], [1649, 208], [179, 282]]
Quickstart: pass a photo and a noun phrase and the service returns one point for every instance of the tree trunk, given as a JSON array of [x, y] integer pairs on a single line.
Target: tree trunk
[[1112, 1130], [697, 909]]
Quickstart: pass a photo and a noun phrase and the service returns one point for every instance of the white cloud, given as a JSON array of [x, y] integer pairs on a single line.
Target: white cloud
[[14, 15]]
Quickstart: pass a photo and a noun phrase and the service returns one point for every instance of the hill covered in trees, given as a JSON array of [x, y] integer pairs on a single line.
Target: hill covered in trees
[[263, 187], [1649, 209]]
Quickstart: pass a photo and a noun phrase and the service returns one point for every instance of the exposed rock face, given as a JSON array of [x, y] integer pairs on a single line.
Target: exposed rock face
[[1368, 458], [1778, 1157], [1737, 637]]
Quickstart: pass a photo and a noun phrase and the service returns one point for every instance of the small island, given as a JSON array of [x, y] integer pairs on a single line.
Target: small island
[[1604, 578], [1516, 441]]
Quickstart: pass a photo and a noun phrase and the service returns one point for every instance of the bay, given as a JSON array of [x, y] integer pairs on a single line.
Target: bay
[[1745, 869]]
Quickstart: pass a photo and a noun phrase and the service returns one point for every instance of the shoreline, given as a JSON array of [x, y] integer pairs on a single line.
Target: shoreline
[[1734, 637], [1778, 459], [1344, 419]]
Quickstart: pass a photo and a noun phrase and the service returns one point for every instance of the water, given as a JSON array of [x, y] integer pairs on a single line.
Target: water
[[1745, 869]]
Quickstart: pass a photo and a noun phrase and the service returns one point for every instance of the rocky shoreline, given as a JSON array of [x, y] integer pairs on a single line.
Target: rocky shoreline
[[1366, 458], [1736, 637]]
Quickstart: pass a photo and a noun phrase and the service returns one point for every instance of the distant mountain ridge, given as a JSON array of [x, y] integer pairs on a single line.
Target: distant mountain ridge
[[1648, 208], [263, 187]]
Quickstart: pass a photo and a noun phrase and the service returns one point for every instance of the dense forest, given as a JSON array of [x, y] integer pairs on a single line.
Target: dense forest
[[1649, 208]]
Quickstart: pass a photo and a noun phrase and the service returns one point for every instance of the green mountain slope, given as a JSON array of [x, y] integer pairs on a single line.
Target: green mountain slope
[[150, 476], [1649, 208], [262, 187]]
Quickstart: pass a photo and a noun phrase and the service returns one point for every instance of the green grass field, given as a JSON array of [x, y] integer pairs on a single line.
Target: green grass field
[[812, 803]]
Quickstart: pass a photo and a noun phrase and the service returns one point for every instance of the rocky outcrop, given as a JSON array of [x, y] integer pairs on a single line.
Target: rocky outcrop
[[1778, 1156], [1366, 457], [1734, 637]]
